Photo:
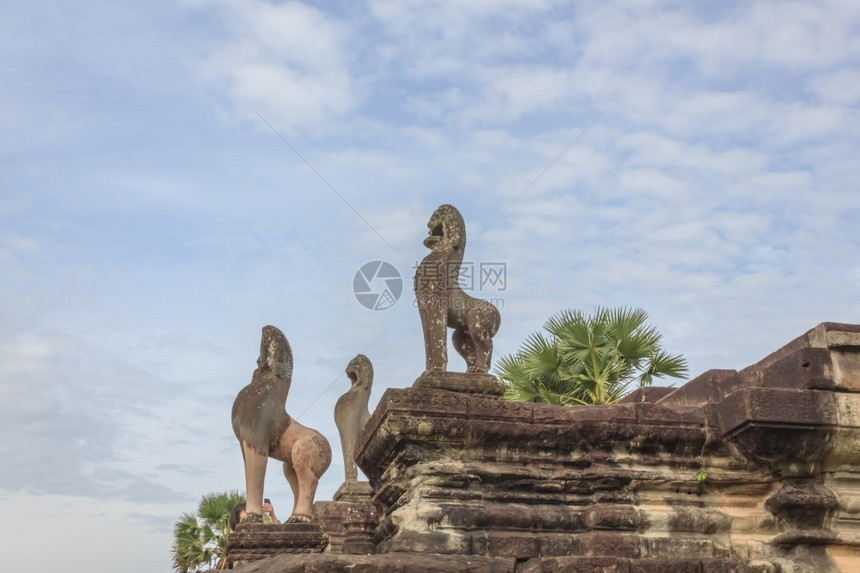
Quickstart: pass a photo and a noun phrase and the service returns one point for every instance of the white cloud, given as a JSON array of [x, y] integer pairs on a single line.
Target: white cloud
[[803, 121], [288, 62], [75, 521], [512, 92], [840, 87]]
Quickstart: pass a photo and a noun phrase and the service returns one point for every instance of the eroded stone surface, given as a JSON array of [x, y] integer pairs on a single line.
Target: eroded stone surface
[[350, 520], [756, 470], [497, 478], [331, 516], [393, 563], [253, 541]]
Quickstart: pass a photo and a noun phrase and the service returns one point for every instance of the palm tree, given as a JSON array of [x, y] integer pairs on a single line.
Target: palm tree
[[199, 541], [588, 359]]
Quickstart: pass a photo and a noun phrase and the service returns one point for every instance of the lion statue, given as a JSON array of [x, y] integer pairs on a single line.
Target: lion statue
[[265, 430], [442, 304], [351, 412]]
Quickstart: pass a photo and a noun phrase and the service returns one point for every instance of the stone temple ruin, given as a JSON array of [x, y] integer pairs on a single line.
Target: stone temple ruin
[[755, 470]]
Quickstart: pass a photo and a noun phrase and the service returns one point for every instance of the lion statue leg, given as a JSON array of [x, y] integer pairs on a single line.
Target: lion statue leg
[[434, 325], [482, 323], [465, 347], [306, 455], [293, 480], [255, 476]]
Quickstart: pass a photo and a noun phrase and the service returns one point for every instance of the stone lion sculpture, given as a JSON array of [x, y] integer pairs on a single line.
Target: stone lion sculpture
[[351, 412], [265, 430], [442, 304]]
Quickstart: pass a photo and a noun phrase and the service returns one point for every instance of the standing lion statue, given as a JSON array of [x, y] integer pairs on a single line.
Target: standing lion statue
[[265, 430], [442, 304]]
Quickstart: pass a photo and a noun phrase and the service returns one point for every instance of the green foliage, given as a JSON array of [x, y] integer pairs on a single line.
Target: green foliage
[[199, 540], [702, 475], [588, 359]]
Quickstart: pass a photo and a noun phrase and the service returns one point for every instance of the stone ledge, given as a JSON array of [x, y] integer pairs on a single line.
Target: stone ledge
[[390, 563], [620, 565], [647, 394], [468, 382], [790, 431], [826, 357], [431, 423], [254, 541]]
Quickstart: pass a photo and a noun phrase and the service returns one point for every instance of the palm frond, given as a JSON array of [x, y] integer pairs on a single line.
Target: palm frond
[[563, 319], [588, 358], [214, 505], [199, 540], [662, 364]]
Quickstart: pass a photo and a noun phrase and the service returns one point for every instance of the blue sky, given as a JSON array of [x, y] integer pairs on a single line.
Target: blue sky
[[175, 175]]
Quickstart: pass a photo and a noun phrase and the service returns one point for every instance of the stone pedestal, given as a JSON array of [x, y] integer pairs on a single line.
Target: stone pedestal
[[757, 470], [360, 523], [332, 515], [467, 382], [354, 492], [470, 474], [350, 519], [255, 541]]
